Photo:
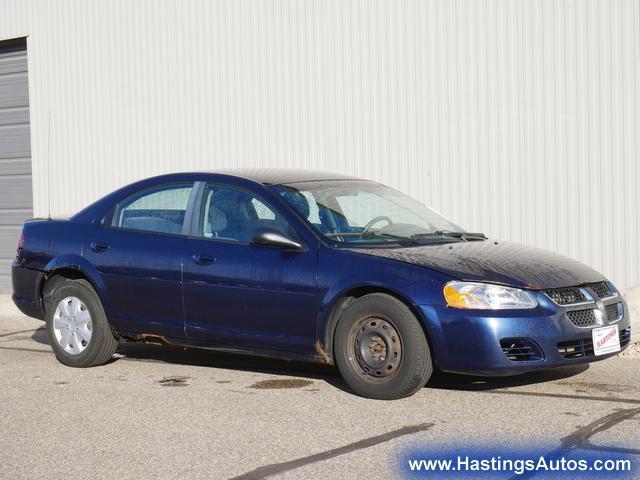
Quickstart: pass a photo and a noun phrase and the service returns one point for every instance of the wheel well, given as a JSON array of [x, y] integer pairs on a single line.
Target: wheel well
[[343, 302], [50, 280]]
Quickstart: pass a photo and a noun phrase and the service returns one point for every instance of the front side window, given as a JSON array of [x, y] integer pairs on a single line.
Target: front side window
[[359, 212], [161, 209], [232, 214]]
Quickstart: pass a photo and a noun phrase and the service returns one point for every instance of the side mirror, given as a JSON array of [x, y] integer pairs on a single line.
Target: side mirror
[[275, 238]]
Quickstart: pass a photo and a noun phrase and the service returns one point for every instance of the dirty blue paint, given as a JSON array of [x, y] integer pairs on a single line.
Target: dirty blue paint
[[266, 300]]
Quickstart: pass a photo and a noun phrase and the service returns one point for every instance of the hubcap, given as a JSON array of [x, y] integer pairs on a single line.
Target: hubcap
[[377, 347], [72, 325]]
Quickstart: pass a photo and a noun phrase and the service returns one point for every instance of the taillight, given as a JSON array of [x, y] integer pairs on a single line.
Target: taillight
[[21, 242]]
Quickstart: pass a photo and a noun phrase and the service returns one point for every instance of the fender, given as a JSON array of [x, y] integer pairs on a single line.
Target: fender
[[338, 298], [409, 283], [87, 269]]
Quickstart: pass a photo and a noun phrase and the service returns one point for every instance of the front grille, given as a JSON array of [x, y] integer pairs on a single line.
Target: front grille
[[573, 295], [566, 296], [613, 312], [602, 289], [582, 318], [521, 350], [583, 347]]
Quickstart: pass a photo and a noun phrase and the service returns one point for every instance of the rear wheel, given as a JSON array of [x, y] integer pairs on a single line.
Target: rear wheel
[[380, 348], [77, 325]]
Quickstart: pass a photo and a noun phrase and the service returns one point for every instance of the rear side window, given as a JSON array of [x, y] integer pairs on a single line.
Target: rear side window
[[160, 209]]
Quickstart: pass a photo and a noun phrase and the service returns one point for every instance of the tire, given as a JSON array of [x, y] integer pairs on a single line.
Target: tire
[[372, 333], [88, 343]]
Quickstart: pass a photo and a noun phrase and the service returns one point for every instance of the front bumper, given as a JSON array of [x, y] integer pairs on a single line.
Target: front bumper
[[468, 341]]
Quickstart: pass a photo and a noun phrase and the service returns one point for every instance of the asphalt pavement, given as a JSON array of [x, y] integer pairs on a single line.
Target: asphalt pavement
[[159, 412]]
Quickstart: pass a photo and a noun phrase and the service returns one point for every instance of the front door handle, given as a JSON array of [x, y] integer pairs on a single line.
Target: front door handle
[[203, 259], [99, 246]]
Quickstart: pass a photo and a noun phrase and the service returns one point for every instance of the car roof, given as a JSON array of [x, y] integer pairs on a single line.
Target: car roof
[[279, 176], [263, 176]]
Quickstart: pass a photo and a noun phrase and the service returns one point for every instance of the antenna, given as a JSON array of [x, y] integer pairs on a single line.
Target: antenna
[[49, 168]]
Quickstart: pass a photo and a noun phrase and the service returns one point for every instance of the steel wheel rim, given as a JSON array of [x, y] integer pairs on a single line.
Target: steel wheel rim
[[72, 325], [376, 348]]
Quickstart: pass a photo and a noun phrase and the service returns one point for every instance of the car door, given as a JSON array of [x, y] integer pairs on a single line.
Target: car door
[[138, 252], [240, 294]]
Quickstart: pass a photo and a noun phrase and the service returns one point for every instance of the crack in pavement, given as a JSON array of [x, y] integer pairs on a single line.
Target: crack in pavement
[[583, 434], [21, 331], [277, 468], [587, 445], [23, 349], [580, 437], [632, 401]]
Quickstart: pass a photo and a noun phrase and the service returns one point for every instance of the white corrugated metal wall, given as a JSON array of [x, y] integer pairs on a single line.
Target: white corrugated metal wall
[[519, 118], [16, 196]]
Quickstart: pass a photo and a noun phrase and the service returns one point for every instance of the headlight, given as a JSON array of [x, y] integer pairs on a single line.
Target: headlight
[[486, 296]]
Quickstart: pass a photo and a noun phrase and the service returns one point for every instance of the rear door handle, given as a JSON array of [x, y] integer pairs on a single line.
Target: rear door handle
[[203, 259], [99, 246]]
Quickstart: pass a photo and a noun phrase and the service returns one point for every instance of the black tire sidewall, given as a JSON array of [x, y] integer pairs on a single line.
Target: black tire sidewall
[[99, 325], [416, 365]]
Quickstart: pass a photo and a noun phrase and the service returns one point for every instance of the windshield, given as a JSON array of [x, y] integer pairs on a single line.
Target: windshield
[[366, 213]]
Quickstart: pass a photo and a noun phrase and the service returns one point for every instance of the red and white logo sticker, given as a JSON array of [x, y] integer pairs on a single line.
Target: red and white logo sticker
[[606, 340]]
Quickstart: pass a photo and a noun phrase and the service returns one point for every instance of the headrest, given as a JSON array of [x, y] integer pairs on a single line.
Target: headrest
[[217, 220], [234, 203], [298, 202]]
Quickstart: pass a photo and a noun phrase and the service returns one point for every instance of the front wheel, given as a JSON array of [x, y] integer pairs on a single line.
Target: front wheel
[[77, 325], [380, 348]]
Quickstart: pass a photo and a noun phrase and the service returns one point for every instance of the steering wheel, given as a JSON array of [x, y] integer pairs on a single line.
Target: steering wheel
[[375, 220]]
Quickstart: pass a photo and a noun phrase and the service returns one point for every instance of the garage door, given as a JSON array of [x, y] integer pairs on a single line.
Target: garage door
[[16, 199]]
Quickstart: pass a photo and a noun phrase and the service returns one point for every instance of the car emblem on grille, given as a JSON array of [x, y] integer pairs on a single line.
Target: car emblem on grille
[[600, 305]]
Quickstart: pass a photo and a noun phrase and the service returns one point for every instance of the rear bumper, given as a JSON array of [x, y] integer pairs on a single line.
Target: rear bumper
[[26, 294], [469, 341]]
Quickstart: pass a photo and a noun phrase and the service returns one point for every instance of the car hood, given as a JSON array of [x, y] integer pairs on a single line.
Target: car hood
[[505, 263]]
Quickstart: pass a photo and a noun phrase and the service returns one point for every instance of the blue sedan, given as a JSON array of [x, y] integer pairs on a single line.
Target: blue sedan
[[312, 266]]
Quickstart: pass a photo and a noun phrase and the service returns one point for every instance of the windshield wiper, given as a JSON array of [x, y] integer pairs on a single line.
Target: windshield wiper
[[375, 233], [372, 234], [342, 234], [467, 236]]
